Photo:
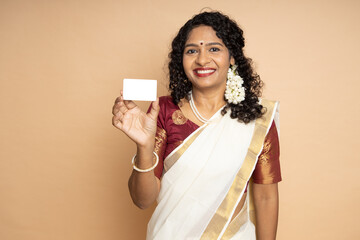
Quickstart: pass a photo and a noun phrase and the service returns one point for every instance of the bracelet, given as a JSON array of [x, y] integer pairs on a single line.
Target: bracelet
[[145, 170]]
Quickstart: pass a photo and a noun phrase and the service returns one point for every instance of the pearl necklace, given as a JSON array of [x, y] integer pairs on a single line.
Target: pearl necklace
[[195, 111]]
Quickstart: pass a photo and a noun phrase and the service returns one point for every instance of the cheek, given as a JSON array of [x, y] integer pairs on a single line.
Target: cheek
[[186, 64], [225, 63]]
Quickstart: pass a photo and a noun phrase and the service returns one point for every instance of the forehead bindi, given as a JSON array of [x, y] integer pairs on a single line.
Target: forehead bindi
[[202, 35]]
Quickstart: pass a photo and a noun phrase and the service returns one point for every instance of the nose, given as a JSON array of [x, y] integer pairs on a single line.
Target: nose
[[203, 58]]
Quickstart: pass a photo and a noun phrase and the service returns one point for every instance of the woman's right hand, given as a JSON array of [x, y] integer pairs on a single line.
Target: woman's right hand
[[136, 124]]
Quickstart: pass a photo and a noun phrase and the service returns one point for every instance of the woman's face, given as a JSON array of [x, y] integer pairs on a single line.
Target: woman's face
[[206, 59]]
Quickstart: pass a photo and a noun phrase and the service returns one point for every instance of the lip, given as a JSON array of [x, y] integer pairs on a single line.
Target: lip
[[203, 72]]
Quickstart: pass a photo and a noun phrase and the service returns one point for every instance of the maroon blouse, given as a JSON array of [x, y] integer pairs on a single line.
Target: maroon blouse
[[173, 128]]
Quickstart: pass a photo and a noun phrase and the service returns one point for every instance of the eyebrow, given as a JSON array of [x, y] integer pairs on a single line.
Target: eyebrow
[[208, 44]]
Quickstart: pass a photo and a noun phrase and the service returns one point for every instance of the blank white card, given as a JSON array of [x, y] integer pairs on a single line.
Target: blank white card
[[139, 89]]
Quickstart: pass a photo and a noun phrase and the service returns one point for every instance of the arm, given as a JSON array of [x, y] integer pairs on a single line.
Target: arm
[[141, 128], [265, 188], [144, 187], [266, 201]]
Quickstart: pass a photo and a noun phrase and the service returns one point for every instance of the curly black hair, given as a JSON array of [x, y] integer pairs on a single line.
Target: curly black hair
[[232, 36]]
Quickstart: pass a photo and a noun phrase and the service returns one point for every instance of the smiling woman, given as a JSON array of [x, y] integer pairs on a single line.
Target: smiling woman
[[214, 174], [206, 60]]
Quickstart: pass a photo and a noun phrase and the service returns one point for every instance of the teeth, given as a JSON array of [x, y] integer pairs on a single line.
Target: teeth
[[205, 71]]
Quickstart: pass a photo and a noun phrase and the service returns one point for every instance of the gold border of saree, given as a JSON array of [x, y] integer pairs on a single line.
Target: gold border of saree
[[219, 225], [170, 161]]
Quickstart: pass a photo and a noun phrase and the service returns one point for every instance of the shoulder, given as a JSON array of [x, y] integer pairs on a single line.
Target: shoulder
[[167, 107], [166, 102], [271, 113], [165, 99], [268, 103], [267, 169], [272, 135]]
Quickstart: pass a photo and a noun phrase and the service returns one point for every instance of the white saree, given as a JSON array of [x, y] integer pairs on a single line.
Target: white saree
[[205, 179]]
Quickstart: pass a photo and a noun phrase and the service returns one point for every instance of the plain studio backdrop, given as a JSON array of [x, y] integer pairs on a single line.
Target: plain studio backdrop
[[64, 167]]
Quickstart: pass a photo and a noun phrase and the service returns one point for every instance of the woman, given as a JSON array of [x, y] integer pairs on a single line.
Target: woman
[[198, 149]]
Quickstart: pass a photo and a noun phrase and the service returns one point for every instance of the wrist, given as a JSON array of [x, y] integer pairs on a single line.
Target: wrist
[[145, 156], [145, 149], [147, 169]]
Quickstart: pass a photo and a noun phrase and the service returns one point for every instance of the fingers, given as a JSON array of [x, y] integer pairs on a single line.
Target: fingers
[[117, 120], [118, 110], [120, 105], [155, 105], [118, 99], [116, 106], [155, 108], [129, 104]]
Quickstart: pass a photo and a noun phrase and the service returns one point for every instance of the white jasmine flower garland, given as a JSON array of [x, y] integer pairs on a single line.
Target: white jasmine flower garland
[[235, 92]]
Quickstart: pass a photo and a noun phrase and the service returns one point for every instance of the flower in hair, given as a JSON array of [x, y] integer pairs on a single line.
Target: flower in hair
[[235, 92]]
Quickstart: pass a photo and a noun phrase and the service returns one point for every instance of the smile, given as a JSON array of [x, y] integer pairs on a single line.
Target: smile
[[203, 72]]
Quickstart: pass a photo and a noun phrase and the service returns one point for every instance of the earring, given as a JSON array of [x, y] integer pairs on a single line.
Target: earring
[[235, 91]]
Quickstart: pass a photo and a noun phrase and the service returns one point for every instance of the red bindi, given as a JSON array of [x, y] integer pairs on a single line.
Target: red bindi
[[201, 43]]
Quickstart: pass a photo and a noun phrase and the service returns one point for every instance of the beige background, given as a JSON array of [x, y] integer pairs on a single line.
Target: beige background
[[64, 168]]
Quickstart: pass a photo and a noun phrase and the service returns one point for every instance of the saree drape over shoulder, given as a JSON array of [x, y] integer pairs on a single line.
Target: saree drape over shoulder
[[205, 178]]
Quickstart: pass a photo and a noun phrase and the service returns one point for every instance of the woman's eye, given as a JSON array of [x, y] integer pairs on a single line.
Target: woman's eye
[[191, 51], [214, 49]]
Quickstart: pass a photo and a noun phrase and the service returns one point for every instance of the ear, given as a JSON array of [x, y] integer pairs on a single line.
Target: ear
[[232, 60]]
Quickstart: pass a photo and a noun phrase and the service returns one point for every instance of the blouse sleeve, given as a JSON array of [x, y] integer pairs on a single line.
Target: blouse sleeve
[[160, 140], [267, 169]]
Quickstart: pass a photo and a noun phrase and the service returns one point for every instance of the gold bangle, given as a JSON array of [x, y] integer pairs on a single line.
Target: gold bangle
[[148, 169]]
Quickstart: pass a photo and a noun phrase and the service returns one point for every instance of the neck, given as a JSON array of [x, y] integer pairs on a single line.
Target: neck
[[208, 101]]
